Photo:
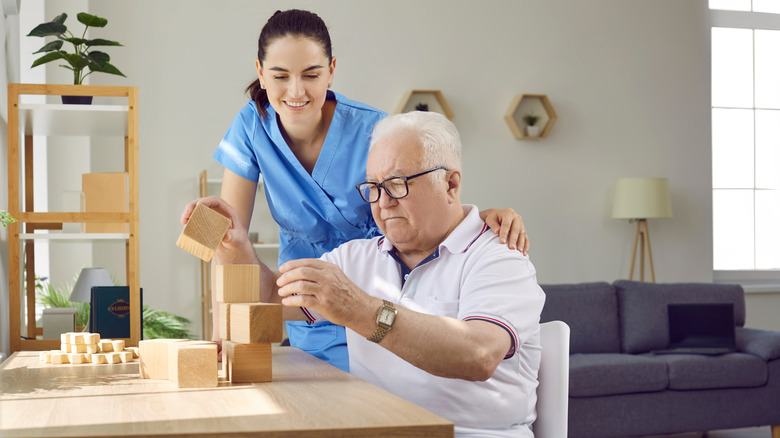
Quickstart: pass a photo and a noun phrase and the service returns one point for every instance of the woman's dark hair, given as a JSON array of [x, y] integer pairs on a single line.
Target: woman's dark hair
[[293, 22]]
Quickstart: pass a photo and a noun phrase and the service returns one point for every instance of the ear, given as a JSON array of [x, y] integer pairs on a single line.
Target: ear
[[259, 69], [453, 185], [332, 69]]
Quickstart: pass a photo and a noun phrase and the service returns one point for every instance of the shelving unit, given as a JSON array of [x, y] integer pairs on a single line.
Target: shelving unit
[[205, 269], [434, 99], [28, 120], [523, 104]]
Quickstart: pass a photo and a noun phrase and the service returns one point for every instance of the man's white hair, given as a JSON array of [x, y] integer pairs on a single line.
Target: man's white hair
[[439, 138]]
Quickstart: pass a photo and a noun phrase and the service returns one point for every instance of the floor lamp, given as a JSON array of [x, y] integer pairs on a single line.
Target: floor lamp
[[639, 199]]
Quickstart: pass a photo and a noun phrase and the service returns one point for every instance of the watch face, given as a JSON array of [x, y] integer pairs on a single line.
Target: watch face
[[386, 317]]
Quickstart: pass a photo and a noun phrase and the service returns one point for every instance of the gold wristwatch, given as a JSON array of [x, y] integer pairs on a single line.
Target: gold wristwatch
[[384, 321]]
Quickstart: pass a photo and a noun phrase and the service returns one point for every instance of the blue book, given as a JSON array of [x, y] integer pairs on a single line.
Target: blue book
[[109, 311]]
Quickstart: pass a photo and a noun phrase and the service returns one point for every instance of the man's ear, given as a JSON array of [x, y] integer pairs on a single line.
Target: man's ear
[[453, 184]]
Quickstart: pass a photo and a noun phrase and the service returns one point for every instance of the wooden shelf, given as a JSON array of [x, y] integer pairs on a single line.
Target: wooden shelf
[[433, 98], [74, 236], [525, 104], [27, 120], [73, 120]]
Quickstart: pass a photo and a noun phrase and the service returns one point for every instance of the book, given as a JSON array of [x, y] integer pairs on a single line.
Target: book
[[109, 311]]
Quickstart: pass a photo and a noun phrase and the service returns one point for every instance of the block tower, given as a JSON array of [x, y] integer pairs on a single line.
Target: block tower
[[246, 326]]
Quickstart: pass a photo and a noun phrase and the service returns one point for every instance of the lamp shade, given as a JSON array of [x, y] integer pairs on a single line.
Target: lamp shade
[[642, 198], [87, 278]]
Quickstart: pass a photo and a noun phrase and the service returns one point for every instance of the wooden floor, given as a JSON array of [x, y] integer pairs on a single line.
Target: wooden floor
[[753, 432]]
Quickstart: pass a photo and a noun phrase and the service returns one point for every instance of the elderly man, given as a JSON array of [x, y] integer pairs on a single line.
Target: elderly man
[[438, 311]]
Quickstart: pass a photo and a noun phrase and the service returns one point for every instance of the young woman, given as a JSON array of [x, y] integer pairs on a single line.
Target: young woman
[[311, 145]]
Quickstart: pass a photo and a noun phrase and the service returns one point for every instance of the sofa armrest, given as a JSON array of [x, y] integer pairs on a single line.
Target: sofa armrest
[[762, 343]]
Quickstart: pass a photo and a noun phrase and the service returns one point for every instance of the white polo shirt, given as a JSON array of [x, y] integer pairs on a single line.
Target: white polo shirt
[[470, 276]]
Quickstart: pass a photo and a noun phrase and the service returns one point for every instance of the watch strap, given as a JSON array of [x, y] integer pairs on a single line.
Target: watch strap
[[382, 329]]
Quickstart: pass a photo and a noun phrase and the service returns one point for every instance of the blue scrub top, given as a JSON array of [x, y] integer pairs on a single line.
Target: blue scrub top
[[316, 213]]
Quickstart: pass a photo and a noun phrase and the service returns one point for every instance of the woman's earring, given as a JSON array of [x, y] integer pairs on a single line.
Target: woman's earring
[[262, 87], [329, 85]]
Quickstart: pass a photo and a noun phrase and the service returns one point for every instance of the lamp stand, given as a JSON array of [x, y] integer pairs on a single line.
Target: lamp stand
[[642, 238]]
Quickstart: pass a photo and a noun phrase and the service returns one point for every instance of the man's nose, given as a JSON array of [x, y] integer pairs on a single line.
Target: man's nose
[[386, 200]]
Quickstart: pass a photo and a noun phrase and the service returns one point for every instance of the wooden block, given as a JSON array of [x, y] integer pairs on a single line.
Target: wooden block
[[133, 351], [118, 345], [65, 348], [99, 358], [106, 345], [105, 193], [59, 357], [91, 338], [83, 348], [203, 232], [253, 323], [125, 356], [76, 358], [113, 357], [65, 338], [247, 363], [77, 339], [88, 357], [193, 364], [153, 354], [224, 321], [237, 283], [45, 356]]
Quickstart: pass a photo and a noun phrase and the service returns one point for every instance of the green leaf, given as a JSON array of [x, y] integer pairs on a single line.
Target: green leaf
[[76, 60], [49, 57], [52, 46], [106, 68], [75, 41], [48, 29], [101, 42], [91, 20], [97, 57], [60, 19]]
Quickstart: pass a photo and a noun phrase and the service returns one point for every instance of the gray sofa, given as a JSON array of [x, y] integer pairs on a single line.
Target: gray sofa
[[618, 388]]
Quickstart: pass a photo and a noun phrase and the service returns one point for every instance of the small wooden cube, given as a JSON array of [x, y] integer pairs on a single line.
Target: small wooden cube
[[113, 357], [118, 345], [237, 283], [203, 232], [59, 357], [65, 338], [65, 348], [125, 356], [106, 345], [256, 323], [153, 354], [193, 364], [224, 321], [77, 339], [91, 338], [45, 356], [247, 363], [133, 351], [99, 358], [76, 358]]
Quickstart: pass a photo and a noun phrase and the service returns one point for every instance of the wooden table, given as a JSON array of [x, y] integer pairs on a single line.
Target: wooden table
[[306, 398]]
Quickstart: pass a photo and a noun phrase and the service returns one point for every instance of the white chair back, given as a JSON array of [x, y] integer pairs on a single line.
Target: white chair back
[[552, 404]]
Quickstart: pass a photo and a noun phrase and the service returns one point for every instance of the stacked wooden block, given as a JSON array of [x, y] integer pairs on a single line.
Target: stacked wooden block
[[82, 347], [191, 364], [246, 326]]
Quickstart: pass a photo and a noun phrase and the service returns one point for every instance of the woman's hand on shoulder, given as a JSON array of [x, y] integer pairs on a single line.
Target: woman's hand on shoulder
[[509, 226]]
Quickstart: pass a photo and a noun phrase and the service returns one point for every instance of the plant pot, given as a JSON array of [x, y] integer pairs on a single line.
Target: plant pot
[[77, 100], [533, 131]]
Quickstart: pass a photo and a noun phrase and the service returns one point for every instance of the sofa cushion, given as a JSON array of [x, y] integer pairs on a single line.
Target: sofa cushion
[[590, 310], [762, 343], [735, 370], [593, 375], [644, 323]]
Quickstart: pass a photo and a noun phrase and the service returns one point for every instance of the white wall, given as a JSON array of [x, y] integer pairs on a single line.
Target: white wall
[[629, 81]]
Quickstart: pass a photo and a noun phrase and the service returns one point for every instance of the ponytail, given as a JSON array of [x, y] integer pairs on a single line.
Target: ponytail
[[259, 96]]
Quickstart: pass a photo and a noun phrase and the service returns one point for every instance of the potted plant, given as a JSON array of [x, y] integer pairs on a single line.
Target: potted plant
[[6, 218], [82, 57], [532, 129]]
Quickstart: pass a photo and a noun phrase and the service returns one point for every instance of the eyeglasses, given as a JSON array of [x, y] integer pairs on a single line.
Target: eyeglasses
[[395, 188]]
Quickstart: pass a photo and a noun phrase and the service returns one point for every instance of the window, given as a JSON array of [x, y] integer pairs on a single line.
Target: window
[[746, 134]]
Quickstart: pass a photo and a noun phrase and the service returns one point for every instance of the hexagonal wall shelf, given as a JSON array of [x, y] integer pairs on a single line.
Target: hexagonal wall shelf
[[432, 99], [530, 104]]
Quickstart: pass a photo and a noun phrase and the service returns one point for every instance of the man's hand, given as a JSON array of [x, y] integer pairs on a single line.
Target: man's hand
[[324, 288]]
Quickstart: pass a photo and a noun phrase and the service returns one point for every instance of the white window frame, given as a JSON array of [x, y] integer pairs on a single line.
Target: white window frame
[[754, 281]]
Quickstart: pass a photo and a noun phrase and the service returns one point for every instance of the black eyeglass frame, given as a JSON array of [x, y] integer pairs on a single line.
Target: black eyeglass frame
[[405, 179]]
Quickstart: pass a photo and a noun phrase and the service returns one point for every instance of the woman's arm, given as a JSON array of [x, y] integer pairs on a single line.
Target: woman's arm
[[509, 226]]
